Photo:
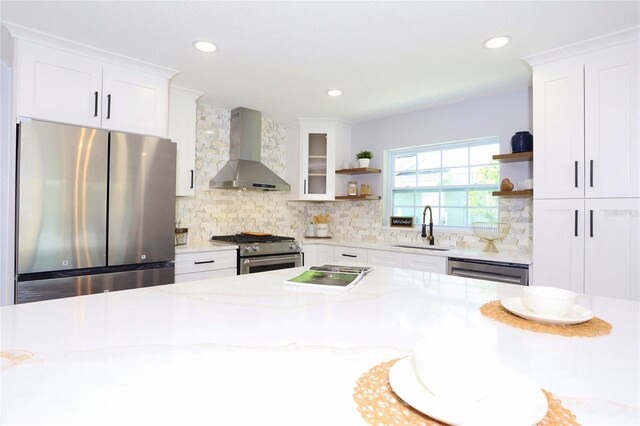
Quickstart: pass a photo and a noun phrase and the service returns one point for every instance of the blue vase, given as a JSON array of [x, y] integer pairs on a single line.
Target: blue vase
[[522, 142]]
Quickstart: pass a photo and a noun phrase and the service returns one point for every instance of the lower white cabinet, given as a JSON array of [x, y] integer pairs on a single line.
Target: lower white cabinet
[[588, 246], [385, 257], [351, 254], [205, 264], [425, 262], [324, 254], [309, 254]]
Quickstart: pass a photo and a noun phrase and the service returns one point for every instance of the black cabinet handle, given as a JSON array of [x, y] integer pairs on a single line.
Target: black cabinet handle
[[575, 168], [349, 255], [591, 173], [108, 106], [191, 187], [204, 261], [305, 187], [95, 107], [591, 223], [575, 223]]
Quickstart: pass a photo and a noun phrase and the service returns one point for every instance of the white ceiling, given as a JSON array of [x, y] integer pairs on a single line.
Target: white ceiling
[[388, 57]]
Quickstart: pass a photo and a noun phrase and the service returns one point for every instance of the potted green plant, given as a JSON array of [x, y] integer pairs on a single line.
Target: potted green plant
[[364, 157]]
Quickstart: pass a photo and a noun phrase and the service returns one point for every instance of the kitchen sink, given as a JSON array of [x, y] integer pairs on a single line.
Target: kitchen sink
[[422, 247]]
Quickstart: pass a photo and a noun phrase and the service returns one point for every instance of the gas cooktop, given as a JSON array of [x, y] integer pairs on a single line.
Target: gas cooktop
[[250, 239]]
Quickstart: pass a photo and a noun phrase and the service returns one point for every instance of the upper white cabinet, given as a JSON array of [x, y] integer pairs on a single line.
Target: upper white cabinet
[[585, 123], [58, 86], [62, 81], [134, 101], [314, 148], [182, 131]]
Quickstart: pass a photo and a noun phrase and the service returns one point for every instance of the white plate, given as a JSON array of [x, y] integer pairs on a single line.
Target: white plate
[[578, 314], [512, 400]]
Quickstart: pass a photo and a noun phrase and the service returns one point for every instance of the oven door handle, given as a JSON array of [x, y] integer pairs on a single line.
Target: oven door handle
[[269, 259]]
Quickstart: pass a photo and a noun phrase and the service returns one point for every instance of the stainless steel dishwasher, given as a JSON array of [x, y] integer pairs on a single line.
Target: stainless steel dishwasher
[[504, 272]]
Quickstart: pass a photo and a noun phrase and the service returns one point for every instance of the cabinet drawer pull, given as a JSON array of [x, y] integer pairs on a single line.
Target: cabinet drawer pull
[[200, 262], [95, 106], [575, 169], [591, 223], [349, 255], [591, 173], [575, 223], [108, 106], [191, 187]]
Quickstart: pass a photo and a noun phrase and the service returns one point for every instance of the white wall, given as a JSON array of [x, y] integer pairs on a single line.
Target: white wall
[[7, 174], [498, 115]]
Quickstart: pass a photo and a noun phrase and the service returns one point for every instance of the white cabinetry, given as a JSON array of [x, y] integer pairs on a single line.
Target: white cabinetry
[[585, 122], [324, 254], [385, 257], [310, 254], [558, 243], [182, 131], [134, 101], [205, 264], [351, 254], [314, 148], [426, 263], [586, 114], [69, 83], [589, 246]]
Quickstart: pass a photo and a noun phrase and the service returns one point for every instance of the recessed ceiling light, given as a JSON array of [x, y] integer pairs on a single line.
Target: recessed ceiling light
[[497, 42], [204, 46], [334, 92]]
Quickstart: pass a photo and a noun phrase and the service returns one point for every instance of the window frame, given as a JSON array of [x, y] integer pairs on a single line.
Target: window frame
[[392, 154]]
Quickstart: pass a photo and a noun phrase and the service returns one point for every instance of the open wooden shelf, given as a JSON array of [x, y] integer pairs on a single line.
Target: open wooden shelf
[[522, 193], [357, 197], [512, 158], [358, 171]]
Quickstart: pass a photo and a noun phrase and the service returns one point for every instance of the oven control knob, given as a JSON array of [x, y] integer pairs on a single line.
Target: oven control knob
[[256, 248], [248, 249], [293, 246]]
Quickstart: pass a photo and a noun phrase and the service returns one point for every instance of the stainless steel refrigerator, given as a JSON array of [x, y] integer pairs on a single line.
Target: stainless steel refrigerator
[[95, 211]]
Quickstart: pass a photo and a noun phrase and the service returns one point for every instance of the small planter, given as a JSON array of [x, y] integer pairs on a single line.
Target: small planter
[[363, 162]]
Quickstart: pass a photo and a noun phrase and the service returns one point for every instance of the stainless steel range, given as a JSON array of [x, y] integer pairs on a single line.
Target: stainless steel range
[[259, 253]]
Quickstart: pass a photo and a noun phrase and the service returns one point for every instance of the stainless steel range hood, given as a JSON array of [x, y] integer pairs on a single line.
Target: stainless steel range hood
[[244, 169]]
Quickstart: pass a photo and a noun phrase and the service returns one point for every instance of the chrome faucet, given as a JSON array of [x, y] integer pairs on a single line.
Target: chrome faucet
[[424, 225]]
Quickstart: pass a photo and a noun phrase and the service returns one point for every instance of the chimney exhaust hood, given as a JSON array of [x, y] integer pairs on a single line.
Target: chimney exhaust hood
[[244, 169]]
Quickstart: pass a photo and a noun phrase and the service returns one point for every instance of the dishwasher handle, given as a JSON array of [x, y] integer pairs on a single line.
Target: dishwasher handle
[[485, 276]]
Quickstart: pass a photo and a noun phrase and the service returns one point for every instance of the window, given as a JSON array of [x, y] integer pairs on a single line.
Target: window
[[455, 179]]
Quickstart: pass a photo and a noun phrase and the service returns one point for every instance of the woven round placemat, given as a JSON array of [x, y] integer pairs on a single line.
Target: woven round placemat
[[592, 328], [379, 405]]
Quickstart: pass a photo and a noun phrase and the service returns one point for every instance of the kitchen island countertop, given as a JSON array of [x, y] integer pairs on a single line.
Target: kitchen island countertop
[[248, 350]]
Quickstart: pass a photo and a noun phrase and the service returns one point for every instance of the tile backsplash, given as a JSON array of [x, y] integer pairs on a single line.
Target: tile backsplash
[[219, 211]]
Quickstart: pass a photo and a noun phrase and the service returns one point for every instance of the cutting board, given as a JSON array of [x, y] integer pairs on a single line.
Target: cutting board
[[256, 234]]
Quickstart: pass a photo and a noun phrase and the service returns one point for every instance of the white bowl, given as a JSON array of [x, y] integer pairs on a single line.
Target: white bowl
[[548, 300]]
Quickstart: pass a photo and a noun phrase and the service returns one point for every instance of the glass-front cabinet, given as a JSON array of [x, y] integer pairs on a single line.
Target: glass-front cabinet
[[314, 148], [317, 164]]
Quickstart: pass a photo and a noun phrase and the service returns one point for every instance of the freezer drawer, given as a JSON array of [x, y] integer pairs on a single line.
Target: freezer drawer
[[58, 286]]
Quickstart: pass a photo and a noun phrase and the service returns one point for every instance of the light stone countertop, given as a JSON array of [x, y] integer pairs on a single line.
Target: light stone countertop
[[198, 246], [509, 256], [248, 350]]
